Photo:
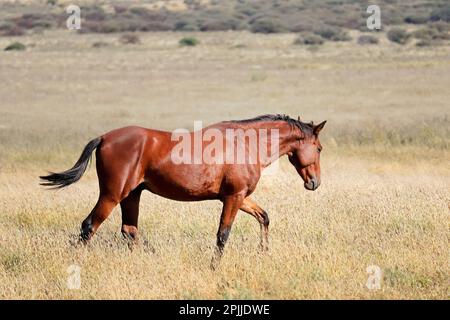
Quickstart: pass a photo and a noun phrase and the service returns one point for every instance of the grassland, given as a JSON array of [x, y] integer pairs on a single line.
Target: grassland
[[384, 198]]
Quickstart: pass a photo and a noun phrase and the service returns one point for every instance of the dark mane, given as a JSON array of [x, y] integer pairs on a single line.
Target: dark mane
[[305, 127]]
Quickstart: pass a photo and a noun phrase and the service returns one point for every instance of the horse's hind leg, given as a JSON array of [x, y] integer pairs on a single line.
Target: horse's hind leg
[[261, 215], [130, 214], [100, 212]]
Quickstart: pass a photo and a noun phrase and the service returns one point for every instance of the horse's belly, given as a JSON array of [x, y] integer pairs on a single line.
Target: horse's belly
[[182, 185]]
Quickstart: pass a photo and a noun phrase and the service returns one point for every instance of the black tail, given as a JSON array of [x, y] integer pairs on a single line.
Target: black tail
[[63, 179]]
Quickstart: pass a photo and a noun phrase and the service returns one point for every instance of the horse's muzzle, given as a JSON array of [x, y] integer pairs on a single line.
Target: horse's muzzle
[[312, 184]]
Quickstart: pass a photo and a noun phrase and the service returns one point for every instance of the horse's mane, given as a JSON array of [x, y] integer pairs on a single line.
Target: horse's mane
[[303, 126]]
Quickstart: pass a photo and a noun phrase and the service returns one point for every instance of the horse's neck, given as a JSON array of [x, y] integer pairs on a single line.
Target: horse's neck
[[279, 144]]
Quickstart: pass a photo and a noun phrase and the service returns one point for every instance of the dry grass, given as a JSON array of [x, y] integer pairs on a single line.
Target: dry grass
[[384, 199]]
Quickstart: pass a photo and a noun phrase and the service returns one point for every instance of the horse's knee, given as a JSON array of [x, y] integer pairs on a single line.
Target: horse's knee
[[130, 232]]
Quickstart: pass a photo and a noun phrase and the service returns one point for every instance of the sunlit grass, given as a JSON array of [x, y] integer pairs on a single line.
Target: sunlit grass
[[384, 198]]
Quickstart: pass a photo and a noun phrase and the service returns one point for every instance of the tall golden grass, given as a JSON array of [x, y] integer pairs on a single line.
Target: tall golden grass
[[384, 198]]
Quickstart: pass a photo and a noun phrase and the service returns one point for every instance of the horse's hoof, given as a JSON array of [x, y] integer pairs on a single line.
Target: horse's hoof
[[214, 264], [78, 242]]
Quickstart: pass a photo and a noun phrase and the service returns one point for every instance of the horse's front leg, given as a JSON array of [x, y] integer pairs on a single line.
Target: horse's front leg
[[261, 215], [231, 205]]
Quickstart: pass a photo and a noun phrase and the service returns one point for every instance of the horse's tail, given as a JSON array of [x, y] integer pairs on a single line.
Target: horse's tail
[[63, 179]]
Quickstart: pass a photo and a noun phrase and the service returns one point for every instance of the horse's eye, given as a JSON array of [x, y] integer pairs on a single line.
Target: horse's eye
[[319, 149]]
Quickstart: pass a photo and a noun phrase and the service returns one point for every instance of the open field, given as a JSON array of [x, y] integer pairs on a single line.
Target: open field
[[384, 198]]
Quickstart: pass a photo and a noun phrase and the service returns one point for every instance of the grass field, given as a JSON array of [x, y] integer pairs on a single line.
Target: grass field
[[384, 198]]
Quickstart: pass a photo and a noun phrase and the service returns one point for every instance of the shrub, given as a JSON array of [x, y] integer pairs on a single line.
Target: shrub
[[100, 27], [125, 24], [425, 33], [440, 26], [155, 26], [129, 38], [220, 25], [425, 43], [302, 26], [119, 9], [332, 33], [185, 25], [139, 11], [93, 13], [398, 35], [441, 29], [308, 39], [354, 23], [33, 20], [391, 17], [16, 46], [431, 33], [416, 19], [367, 39], [267, 25], [246, 11], [442, 14], [11, 30], [189, 42], [100, 44]]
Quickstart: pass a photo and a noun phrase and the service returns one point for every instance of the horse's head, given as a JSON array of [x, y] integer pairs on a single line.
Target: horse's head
[[305, 156]]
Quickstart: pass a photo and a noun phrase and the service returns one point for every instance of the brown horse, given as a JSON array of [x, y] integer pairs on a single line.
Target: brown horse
[[133, 159]]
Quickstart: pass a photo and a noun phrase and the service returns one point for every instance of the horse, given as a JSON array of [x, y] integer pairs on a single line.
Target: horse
[[132, 159]]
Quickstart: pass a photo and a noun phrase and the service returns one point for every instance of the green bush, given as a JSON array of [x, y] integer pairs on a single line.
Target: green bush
[[308, 39], [367, 39], [189, 42], [16, 46], [398, 35]]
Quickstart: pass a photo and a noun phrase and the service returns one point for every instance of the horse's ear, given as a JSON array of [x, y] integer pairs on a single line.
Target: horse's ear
[[319, 127], [299, 120]]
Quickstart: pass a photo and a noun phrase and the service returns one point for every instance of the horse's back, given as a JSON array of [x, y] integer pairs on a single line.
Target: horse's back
[[133, 155]]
